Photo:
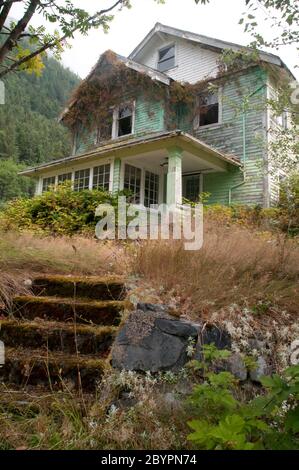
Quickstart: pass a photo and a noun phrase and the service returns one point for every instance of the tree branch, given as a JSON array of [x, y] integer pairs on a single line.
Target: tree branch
[[51, 44], [4, 14], [18, 30]]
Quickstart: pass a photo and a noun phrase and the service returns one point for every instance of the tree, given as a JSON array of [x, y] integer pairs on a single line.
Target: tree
[[63, 14], [11, 184]]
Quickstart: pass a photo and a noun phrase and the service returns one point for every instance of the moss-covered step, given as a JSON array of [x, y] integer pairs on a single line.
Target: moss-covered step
[[55, 370], [56, 336], [107, 288], [62, 309]]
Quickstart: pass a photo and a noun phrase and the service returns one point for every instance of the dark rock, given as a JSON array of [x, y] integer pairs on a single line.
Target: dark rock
[[211, 334], [152, 341], [146, 307], [236, 365], [263, 368]]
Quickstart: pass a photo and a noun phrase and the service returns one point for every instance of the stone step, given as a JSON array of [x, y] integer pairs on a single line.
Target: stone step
[[56, 336], [67, 310], [29, 367], [96, 288]]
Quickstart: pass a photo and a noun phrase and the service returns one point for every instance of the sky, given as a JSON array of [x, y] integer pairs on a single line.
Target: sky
[[219, 19]]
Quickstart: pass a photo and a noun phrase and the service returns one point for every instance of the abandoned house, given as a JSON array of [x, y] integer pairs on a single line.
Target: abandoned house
[[173, 121]]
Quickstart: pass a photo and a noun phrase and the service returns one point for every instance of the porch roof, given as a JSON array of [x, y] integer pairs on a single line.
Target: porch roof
[[125, 147]]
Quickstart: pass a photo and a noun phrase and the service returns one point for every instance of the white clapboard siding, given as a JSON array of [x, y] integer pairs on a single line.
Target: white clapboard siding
[[193, 62]]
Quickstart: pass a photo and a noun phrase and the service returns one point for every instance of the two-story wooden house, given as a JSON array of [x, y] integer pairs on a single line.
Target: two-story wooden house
[[132, 130]]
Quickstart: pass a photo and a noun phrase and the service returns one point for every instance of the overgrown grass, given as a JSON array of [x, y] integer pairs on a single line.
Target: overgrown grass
[[235, 265]]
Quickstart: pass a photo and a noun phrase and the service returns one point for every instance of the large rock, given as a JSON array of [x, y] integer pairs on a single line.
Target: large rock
[[152, 340], [262, 369]]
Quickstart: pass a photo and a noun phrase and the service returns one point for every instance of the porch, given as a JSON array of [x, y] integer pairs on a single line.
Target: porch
[[158, 168]]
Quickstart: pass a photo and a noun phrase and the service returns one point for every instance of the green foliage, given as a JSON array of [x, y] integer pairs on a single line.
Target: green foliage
[[59, 212], [12, 185], [225, 422], [289, 203], [29, 131]]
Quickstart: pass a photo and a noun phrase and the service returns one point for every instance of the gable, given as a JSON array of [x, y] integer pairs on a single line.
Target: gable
[[193, 62]]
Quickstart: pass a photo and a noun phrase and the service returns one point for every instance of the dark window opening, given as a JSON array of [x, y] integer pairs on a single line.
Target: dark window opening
[[166, 58], [208, 109], [125, 120]]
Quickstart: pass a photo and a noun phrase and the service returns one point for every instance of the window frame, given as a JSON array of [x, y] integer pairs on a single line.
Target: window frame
[[92, 175], [85, 177], [197, 125], [167, 46], [53, 177], [115, 124]]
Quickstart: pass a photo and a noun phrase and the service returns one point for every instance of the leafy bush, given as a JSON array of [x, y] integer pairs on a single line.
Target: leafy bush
[[59, 212], [289, 204], [226, 422]]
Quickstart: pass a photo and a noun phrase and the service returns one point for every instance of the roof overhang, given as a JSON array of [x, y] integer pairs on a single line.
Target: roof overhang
[[130, 147]]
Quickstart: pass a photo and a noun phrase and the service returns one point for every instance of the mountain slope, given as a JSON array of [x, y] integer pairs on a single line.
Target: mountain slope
[[29, 130]]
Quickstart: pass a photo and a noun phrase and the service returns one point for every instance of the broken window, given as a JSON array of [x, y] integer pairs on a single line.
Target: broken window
[[166, 59], [125, 120], [208, 108]]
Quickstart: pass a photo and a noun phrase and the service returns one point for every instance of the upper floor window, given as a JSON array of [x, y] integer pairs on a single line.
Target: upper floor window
[[124, 117], [282, 120], [208, 108], [166, 58]]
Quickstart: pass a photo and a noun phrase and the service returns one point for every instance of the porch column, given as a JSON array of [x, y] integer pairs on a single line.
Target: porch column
[[174, 176]]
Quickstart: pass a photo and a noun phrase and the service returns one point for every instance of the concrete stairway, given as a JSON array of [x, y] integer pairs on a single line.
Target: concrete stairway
[[60, 336]]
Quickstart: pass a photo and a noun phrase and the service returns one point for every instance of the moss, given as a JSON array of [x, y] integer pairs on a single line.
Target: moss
[[56, 336], [97, 312], [96, 288], [34, 367]]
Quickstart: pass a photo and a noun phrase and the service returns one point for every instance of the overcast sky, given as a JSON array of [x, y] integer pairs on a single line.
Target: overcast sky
[[219, 19]]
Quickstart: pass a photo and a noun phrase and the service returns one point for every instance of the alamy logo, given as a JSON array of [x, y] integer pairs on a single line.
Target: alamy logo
[[2, 92], [137, 222], [2, 354]]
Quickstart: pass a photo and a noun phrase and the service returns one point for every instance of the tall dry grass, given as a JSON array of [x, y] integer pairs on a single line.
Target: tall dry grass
[[235, 265]]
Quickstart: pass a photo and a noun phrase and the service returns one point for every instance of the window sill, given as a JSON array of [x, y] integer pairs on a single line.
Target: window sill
[[209, 126]]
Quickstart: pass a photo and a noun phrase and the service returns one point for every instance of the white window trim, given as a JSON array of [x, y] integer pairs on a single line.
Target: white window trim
[[220, 110], [172, 44], [72, 170], [115, 120], [142, 186]]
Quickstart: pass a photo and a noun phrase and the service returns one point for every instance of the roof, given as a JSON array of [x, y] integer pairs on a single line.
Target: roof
[[120, 144], [207, 42], [152, 73]]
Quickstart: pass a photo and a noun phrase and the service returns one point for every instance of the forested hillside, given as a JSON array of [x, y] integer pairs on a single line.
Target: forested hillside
[[29, 129]]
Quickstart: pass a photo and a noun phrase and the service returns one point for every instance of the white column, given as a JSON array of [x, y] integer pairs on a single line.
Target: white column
[[174, 176]]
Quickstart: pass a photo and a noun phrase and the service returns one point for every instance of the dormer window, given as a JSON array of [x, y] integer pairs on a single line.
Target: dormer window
[[166, 58]]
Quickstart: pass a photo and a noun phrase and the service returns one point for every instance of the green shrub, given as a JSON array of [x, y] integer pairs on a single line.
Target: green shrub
[[59, 212], [223, 421]]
